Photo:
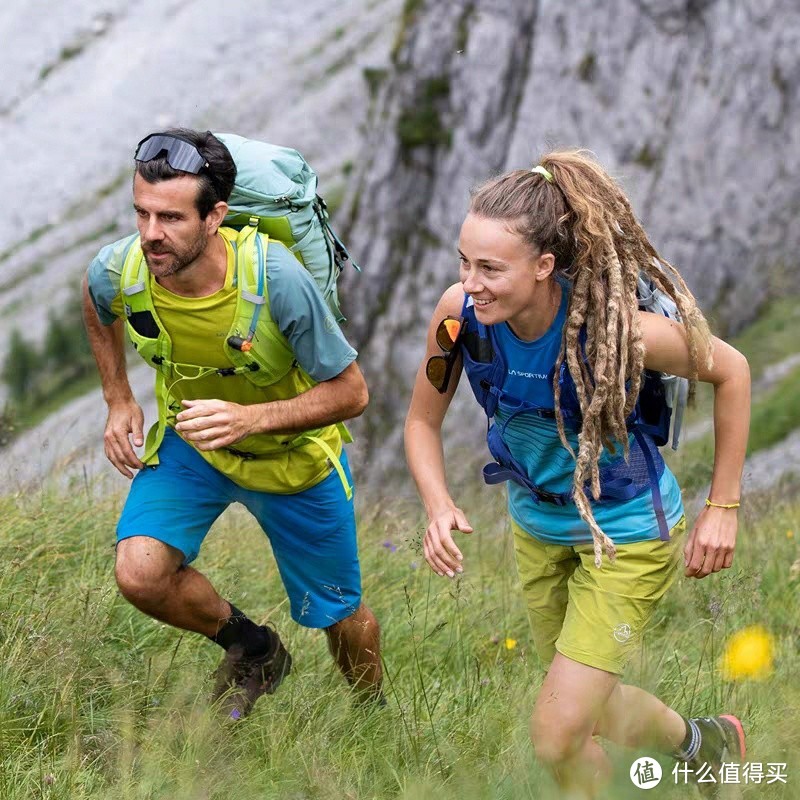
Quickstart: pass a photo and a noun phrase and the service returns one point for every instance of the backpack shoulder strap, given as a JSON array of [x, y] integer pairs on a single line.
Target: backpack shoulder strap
[[255, 344], [250, 251], [156, 350], [133, 279]]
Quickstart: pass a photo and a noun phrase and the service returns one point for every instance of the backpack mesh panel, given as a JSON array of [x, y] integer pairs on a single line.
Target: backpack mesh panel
[[635, 468]]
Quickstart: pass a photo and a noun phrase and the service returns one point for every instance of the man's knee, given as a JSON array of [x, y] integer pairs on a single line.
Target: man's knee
[[361, 622], [144, 570]]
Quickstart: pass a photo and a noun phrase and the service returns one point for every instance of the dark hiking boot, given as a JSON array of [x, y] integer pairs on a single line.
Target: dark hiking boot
[[240, 680]]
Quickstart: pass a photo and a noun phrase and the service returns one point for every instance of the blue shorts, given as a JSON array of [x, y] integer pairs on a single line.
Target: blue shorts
[[312, 533]]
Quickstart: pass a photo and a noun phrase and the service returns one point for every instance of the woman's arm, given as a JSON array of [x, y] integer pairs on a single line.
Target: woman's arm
[[424, 452], [713, 538]]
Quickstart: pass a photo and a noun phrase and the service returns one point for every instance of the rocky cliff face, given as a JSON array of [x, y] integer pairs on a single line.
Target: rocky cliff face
[[692, 103], [84, 80]]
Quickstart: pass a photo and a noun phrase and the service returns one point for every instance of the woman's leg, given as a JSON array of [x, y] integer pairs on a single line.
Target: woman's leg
[[544, 571], [606, 612], [568, 708], [634, 718], [577, 702]]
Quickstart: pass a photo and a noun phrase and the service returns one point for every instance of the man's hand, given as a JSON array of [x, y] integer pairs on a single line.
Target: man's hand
[[211, 424], [711, 542], [125, 420], [438, 545]]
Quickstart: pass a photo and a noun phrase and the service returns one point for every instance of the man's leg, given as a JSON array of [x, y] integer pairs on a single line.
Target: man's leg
[[354, 643], [151, 576], [176, 504], [313, 536]]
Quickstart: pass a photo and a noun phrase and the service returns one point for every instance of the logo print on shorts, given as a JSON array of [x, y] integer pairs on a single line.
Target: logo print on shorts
[[622, 632]]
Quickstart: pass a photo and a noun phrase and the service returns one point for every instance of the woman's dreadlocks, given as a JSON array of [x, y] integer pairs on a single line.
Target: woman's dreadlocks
[[585, 220]]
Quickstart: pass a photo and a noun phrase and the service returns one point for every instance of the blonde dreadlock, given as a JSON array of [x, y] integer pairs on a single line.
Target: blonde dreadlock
[[585, 220]]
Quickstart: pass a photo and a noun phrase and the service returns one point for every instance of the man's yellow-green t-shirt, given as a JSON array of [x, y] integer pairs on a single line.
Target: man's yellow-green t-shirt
[[198, 327]]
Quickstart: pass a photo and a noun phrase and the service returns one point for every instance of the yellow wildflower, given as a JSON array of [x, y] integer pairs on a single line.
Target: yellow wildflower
[[748, 654], [511, 644], [790, 534]]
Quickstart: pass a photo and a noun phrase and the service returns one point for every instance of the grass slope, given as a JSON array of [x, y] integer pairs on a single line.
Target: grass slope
[[775, 411], [99, 701]]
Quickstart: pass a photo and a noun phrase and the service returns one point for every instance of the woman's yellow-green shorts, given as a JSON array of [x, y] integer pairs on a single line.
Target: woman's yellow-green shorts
[[592, 615]]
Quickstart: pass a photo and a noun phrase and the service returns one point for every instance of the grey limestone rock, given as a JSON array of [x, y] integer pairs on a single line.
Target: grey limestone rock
[[693, 104]]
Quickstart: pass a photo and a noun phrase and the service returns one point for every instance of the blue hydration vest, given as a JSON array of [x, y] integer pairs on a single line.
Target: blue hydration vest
[[649, 423]]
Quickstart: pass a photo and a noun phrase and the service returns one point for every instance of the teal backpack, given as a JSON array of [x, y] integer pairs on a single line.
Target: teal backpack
[[276, 192]]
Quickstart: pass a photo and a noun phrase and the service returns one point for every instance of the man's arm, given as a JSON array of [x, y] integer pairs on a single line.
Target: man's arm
[[125, 417], [342, 397], [211, 424]]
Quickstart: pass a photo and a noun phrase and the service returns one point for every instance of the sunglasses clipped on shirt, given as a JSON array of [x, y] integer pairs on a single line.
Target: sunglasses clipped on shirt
[[439, 368], [181, 154]]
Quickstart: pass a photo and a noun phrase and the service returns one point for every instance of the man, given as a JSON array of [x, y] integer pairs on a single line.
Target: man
[[225, 438]]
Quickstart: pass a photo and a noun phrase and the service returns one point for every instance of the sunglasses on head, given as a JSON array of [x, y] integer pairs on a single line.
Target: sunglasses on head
[[439, 368], [181, 154]]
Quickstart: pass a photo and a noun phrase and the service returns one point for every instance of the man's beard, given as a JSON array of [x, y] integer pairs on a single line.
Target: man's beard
[[177, 260]]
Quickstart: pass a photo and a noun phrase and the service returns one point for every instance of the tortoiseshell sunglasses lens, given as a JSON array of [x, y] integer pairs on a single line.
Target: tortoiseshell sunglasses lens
[[437, 371], [438, 368], [448, 332]]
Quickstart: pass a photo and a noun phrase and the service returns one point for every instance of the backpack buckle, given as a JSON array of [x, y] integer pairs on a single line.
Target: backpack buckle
[[550, 497], [243, 454]]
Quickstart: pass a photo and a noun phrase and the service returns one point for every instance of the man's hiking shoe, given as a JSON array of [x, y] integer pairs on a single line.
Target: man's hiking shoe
[[240, 680], [722, 743]]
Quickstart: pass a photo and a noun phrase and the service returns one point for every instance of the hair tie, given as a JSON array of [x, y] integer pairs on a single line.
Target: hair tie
[[548, 176]]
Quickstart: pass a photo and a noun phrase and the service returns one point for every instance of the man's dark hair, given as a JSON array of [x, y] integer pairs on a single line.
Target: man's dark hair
[[215, 182]]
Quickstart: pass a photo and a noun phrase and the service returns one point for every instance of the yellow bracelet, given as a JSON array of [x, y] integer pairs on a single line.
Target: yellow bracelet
[[722, 505]]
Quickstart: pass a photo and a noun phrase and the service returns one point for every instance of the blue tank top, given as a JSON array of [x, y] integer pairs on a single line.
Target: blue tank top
[[535, 443]]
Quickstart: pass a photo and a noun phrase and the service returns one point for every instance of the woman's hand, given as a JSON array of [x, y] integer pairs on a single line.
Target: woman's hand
[[711, 543], [424, 451], [438, 545]]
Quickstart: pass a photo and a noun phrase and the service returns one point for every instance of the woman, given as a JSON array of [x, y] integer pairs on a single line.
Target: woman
[[547, 304]]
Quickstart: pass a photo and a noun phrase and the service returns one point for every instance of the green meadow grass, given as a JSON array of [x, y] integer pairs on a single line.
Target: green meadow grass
[[774, 415], [99, 701], [773, 336], [775, 411]]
